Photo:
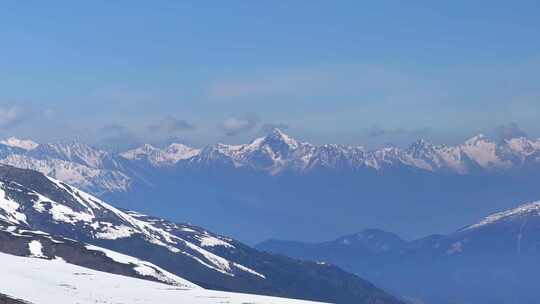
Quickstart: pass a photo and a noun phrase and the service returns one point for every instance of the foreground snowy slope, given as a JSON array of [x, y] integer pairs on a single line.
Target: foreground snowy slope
[[61, 283], [24, 243]]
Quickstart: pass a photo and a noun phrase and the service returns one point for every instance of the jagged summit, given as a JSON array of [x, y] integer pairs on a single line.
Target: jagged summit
[[72, 151], [277, 152], [523, 145], [476, 139], [160, 157], [278, 136], [140, 152]]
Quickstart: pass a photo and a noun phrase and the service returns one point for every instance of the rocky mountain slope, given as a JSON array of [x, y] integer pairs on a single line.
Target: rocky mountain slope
[[39, 216], [9, 300], [38, 244]]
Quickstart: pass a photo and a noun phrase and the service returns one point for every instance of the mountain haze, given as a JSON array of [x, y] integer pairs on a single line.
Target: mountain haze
[[492, 261], [281, 176]]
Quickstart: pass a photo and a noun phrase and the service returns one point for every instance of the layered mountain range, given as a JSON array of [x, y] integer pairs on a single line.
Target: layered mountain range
[[492, 261], [283, 177], [43, 217], [100, 171]]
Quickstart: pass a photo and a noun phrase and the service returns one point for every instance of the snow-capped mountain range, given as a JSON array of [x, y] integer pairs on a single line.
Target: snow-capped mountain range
[[101, 171], [45, 218], [160, 157]]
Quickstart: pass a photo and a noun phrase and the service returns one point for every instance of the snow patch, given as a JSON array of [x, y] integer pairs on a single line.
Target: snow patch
[[36, 249]]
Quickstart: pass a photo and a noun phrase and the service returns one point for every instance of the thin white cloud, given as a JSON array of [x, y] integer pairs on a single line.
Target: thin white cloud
[[11, 116], [171, 125], [236, 125]]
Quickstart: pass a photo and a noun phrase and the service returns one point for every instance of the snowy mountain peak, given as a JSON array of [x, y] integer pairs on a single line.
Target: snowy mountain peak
[[72, 151], [276, 136], [525, 210], [142, 152], [158, 157], [523, 145], [25, 144], [476, 139], [100, 171], [178, 151]]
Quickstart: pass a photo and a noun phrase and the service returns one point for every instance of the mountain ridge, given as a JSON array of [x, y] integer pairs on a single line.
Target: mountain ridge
[[275, 153], [284, 177], [490, 261]]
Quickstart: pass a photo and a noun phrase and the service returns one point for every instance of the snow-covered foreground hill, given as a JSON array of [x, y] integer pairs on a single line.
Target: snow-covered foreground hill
[[54, 281], [43, 217]]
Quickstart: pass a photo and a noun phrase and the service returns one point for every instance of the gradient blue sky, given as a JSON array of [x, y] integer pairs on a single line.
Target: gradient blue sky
[[206, 71]]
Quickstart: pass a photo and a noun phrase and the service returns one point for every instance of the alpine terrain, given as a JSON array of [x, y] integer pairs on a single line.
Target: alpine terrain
[[45, 218]]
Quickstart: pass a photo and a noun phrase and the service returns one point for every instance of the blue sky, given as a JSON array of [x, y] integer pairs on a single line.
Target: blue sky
[[352, 72]]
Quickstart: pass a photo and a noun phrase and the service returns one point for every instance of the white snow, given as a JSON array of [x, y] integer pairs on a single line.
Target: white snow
[[176, 152], [244, 268], [210, 241], [61, 283], [36, 249], [9, 209], [523, 210], [98, 172], [62, 213], [127, 226], [145, 268], [161, 157], [110, 232], [99, 180], [483, 152]]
